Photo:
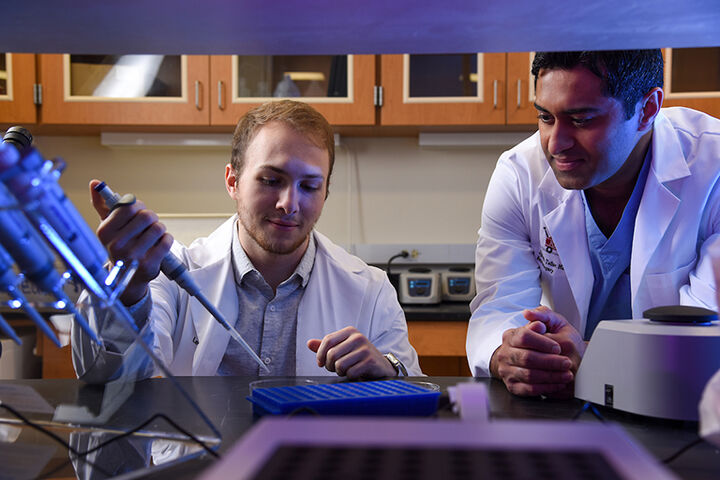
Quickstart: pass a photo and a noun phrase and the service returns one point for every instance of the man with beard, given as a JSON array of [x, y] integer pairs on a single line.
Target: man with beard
[[607, 211], [301, 302]]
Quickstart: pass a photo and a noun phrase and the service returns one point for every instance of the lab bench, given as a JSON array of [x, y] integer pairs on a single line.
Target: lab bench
[[223, 400]]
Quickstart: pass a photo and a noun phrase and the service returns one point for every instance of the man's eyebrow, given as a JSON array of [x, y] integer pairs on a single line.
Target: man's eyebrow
[[538, 107], [570, 111], [283, 172]]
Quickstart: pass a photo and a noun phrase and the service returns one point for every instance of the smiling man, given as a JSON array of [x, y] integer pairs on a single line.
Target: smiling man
[[301, 302], [603, 213]]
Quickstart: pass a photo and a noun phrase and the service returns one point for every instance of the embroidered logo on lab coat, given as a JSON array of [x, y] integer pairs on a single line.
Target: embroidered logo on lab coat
[[548, 257]]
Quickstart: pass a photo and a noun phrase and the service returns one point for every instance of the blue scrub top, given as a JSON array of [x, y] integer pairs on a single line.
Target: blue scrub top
[[610, 259]]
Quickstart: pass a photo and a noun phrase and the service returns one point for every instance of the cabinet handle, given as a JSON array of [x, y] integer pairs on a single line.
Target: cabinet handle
[[495, 96], [220, 94], [197, 94], [519, 93]]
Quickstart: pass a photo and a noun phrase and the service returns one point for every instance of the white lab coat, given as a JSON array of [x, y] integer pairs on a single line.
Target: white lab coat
[[516, 266], [342, 290]]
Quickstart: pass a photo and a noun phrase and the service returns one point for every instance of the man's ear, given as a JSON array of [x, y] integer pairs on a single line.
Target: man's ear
[[230, 180], [649, 108]]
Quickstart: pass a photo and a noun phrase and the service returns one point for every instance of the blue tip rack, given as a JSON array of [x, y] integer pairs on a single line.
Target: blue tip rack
[[384, 397]]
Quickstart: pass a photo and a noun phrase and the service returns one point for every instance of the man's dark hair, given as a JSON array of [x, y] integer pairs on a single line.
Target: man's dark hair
[[627, 75]]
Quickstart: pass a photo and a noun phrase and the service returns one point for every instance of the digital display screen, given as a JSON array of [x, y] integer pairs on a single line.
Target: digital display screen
[[459, 285], [419, 287]]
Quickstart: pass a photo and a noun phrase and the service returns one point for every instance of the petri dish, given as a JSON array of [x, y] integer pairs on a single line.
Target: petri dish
[[280, 382]]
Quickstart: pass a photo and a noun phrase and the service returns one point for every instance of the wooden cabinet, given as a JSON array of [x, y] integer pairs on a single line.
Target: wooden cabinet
[[440, 346], [200, 90], [338, 86], [17, 79], [481, 89], [124, 89], [463, 89], [692, 78], [521, 90], [493, 89]]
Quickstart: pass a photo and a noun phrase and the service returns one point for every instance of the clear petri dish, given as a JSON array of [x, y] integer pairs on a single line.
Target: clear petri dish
[[280, 382], [433, 387]]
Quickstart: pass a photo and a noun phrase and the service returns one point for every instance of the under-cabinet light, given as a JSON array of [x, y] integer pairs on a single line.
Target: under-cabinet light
[[203, 140], [471, 139]]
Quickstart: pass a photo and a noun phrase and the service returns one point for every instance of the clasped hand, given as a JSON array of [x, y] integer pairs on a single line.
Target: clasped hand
[[540, 358]]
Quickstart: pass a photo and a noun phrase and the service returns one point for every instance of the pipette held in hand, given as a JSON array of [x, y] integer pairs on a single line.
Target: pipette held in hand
[[176, 271]]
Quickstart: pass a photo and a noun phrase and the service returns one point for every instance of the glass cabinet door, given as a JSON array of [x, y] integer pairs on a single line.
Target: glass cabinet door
[[339, 86], [457, 89], [17, 76], [692, 78], [125, 89]]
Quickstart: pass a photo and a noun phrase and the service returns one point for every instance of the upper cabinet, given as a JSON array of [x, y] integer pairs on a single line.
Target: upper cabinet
[[338, 86], [17, 79], [199, 89], [692, 78], [520, 90], [460, 89], [124, 89]]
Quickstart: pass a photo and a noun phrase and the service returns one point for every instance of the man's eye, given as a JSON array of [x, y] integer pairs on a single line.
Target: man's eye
[[268, 181], [581, 122], [544, 117], [310, 187]]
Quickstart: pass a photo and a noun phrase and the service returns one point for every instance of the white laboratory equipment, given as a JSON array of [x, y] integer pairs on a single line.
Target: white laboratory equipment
[[656, 368]]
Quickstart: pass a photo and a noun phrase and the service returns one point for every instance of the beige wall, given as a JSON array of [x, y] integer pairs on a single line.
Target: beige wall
[[383, 190]]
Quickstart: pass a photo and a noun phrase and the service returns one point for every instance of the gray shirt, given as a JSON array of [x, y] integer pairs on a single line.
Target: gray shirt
[[267, 321]]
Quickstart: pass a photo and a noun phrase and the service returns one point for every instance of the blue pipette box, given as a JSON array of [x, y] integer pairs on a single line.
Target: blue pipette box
[[382, 397]]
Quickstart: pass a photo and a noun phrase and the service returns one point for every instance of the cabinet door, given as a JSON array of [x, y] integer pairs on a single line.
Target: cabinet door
[[520, 90], [17, 76], [692, 78], [124, 89], [460, 89], [338, 86]]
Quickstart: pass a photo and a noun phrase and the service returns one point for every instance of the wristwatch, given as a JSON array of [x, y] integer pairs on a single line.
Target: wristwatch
[[397, 364]]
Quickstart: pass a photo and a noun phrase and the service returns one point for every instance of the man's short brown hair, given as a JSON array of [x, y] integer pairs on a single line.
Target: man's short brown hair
[[298, 115]]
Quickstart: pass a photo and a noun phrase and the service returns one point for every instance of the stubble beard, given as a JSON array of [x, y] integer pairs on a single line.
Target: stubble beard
[[261, 238]]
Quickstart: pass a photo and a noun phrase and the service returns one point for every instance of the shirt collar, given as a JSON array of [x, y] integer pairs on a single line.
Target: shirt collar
[[243, 265]]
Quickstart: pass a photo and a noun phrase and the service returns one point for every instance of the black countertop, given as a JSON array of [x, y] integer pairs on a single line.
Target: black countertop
[[223, 399]]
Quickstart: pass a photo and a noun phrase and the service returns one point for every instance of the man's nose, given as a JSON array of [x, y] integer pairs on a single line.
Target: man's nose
[[288, 200], [560, 139]]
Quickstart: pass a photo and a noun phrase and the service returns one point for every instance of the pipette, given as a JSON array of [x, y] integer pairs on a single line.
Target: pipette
[[175, 270], [32, 256], [32, 180], [8, 283]]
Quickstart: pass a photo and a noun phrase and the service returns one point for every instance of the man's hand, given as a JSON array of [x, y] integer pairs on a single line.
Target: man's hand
[[132, 232], [540, 358], [559, 329], [349, 353], [571, 342]]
